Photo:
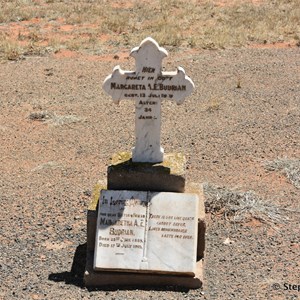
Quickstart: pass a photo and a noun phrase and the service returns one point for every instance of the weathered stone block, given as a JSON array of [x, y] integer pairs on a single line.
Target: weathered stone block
[[92, 214], [168, 176]]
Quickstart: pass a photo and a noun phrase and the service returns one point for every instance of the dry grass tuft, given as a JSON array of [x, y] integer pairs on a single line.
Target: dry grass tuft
[[289, 167], [58, 120], [53, 119], [9, 50], [41, 116], [214, 104], [50, 165], [241, 206]]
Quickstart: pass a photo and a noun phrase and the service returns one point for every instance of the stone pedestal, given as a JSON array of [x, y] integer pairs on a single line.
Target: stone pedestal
[[168, 221], [167, 176]]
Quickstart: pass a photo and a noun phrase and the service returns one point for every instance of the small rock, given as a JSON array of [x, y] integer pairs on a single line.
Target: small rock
[[228, 241]]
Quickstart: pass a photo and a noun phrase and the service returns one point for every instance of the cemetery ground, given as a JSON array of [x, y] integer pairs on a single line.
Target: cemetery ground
[[239, 131]]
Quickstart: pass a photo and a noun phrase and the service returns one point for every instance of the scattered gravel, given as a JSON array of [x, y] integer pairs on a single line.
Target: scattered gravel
[[244, 112]]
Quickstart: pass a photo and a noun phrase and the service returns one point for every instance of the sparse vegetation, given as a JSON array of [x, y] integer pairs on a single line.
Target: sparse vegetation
[[214, 104], [59, 120], [241, 206], [53, 118], [50, 165], [289, 167], [41, 116], [238, 83], [9, 50], [172, 22]]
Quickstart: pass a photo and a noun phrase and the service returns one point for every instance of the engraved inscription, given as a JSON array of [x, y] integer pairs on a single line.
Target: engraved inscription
[[131, 223], [170, 227], [148, 70], [120, 226]]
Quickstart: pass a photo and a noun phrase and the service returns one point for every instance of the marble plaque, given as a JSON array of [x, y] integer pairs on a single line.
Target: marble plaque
[[146, 232]]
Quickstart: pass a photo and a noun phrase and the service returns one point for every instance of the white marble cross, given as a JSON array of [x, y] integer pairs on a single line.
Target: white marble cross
[[148, 85]]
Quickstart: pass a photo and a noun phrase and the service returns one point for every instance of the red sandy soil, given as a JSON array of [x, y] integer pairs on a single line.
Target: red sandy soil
[[227, 134]]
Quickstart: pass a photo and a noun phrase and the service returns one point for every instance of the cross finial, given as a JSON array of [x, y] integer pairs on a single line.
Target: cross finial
[[147, 53], [148, 85]]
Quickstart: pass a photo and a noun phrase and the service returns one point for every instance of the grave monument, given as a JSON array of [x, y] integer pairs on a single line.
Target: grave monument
[[145, 226]]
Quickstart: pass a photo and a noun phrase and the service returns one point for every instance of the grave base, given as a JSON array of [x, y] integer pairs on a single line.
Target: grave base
[[95, 279], [168, 176], [122, 279]]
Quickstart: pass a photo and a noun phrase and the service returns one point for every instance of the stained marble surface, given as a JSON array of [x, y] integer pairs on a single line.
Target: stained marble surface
[[146, 232]]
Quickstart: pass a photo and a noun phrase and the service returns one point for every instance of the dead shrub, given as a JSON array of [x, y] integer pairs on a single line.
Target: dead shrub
[[240, 206], [289, 167]]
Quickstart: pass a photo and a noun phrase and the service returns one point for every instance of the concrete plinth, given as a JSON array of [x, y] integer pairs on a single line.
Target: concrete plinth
[[168, 176], [120, 279]]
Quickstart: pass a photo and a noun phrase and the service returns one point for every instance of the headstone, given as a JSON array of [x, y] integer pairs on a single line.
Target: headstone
[[148, 85], [143, 228]]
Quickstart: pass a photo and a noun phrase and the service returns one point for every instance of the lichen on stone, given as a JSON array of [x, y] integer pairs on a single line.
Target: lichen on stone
[[95, 195], [174, 164]]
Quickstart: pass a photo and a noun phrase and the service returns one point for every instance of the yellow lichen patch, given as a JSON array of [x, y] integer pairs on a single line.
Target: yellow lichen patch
[[197, 188], [100, 185], [174, 163], [120, 157]]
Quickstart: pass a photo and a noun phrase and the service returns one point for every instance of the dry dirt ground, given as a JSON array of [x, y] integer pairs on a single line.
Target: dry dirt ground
[[59, 130]]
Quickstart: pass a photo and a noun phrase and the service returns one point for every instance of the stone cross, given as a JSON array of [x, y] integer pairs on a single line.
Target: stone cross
[[148, 85]]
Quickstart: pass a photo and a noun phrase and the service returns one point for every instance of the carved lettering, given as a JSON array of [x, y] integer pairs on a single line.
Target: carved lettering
[[121, 86], [131, 222], [151, 216], [165, 87], [145, 117], [163, 78], [148, 70], [135, 77], [122, 222], [147, 102], [179, 224], [174, 230], [131, 95], [114, 231], [167, 236], [154, 228]]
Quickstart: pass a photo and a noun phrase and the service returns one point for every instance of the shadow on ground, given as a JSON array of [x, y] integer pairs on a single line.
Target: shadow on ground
[[75, 276]]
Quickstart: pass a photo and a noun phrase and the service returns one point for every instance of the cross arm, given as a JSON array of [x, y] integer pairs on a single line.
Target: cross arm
[[113, 83], [179, 79]]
